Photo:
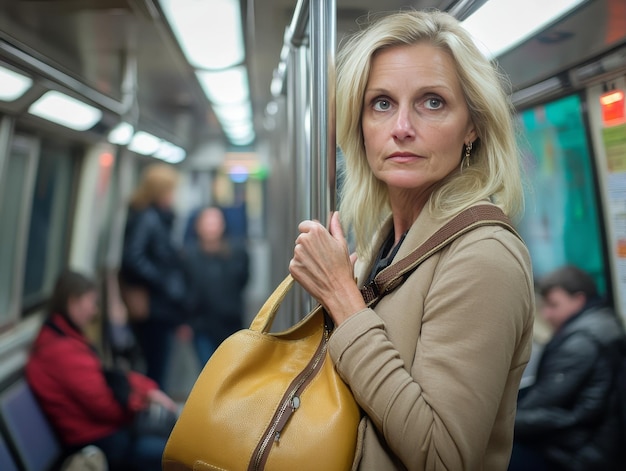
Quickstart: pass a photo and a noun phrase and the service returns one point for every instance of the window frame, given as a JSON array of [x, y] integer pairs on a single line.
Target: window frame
[[30, 147]]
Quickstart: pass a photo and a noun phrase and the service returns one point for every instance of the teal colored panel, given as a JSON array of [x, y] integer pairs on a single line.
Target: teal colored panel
[[561, 223]]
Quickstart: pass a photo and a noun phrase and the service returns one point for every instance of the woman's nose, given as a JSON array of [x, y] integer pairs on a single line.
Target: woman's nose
[[403, 127]]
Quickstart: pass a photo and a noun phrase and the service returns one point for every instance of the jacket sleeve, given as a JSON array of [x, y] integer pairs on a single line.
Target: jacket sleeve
[[548, 405], [140, 386], [83, 380], [135, 257], [438, 413]]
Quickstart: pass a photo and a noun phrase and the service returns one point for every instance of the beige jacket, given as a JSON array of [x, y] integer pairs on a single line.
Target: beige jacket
[[436, 365]]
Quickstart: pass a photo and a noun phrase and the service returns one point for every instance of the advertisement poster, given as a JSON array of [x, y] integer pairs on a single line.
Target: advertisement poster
[[614, 139], [561, 224]]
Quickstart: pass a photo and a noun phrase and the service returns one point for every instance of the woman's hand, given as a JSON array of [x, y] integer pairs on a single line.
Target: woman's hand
[[322, 265], [159, 397]]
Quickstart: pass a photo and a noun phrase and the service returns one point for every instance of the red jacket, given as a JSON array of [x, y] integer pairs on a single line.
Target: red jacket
[[67, 377]]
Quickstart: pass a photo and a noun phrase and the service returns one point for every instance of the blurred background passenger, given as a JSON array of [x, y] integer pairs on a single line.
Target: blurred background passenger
[[217, 271], [86, 403], [151, 270], [568, 419]]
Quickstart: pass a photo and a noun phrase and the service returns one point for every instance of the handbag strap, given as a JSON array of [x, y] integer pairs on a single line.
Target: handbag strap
[[264, 319], [394, 275]]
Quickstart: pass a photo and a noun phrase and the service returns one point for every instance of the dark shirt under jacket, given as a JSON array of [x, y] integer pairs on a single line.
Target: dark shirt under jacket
[[570, 412]]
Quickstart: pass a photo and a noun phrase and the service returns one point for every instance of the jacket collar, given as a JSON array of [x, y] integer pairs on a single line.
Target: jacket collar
[[63, 326], [424, 226]]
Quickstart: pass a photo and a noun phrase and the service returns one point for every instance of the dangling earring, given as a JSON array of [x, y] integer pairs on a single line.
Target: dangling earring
[[466, 157]]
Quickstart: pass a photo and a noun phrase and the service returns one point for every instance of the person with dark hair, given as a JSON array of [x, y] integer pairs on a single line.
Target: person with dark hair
[[568, 419], [86, 403], [217, 270], [151, 263]]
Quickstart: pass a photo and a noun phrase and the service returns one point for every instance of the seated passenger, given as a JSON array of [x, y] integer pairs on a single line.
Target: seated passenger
[[567, 420], [86, 403]]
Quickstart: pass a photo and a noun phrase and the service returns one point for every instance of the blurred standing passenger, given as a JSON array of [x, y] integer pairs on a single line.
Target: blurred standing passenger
[[151, 263], [86, 403], [217, 272], [426, 130], [568, 419]]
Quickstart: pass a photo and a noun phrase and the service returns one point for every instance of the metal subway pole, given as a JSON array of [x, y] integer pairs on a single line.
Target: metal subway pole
[[295, 56], [300, 154], [323, 34], [312, 96]]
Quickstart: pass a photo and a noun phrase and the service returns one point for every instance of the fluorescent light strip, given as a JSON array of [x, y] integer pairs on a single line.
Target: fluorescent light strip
[[66, 111], [243, 140], [12, 84], [225, 87], [170, 153], [121, 134], [234, 113], [500, 25], [144, 143], [209, 31]]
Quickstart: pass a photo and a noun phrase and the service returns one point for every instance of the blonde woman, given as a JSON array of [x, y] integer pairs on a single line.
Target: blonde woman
[[426, 131], [152, 263]]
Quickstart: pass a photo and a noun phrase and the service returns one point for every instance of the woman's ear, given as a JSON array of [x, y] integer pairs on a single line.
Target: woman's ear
[[471, 135]]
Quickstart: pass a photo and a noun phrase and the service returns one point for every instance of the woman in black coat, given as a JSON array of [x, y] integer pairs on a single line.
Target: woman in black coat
[[151, 263]]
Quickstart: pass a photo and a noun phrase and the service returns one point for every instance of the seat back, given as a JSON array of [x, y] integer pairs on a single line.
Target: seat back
[[28, 430], [7, 463]]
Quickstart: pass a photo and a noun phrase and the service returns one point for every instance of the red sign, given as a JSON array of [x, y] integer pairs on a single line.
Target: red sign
[[612, 104]]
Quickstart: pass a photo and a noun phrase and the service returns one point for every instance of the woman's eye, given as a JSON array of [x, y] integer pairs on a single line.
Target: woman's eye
[[434, 103], [381, 104]]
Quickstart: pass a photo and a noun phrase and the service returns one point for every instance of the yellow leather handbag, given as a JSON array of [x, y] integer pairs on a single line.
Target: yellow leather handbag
[[268, 401], [274, 401]]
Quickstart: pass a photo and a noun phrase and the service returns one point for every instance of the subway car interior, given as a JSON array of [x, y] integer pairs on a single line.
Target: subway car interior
[[238, 97]]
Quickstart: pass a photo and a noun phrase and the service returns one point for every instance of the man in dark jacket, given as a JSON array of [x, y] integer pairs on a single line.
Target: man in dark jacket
[[567, 420]]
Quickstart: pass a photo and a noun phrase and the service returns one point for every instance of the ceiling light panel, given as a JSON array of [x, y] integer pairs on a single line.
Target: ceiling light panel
[[12, 84], [144, 143], [66, 111], [121, 134], [209, 32], [500, 25]]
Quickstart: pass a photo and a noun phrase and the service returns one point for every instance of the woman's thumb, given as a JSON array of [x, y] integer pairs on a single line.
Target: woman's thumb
[[335, 227]]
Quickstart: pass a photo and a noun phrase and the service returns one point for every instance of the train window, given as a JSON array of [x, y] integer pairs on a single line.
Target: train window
[[15, 185], [49, 234], [561, 223]]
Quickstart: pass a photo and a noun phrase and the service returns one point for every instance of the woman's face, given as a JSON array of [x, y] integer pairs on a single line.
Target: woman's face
[[210, 225], [83, 309], [166, 199], [415, 119]]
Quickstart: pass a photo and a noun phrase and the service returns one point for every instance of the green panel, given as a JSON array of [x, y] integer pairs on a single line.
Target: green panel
[[561, 223]]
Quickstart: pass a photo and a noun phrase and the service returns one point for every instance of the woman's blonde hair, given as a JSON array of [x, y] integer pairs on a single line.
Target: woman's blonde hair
[[494, 171], [157, 180]]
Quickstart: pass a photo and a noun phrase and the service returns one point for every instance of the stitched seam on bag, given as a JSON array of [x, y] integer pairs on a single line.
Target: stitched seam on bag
[[206, 466]]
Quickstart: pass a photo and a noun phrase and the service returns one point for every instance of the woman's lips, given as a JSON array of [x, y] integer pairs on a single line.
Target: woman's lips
[[403, 157]]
